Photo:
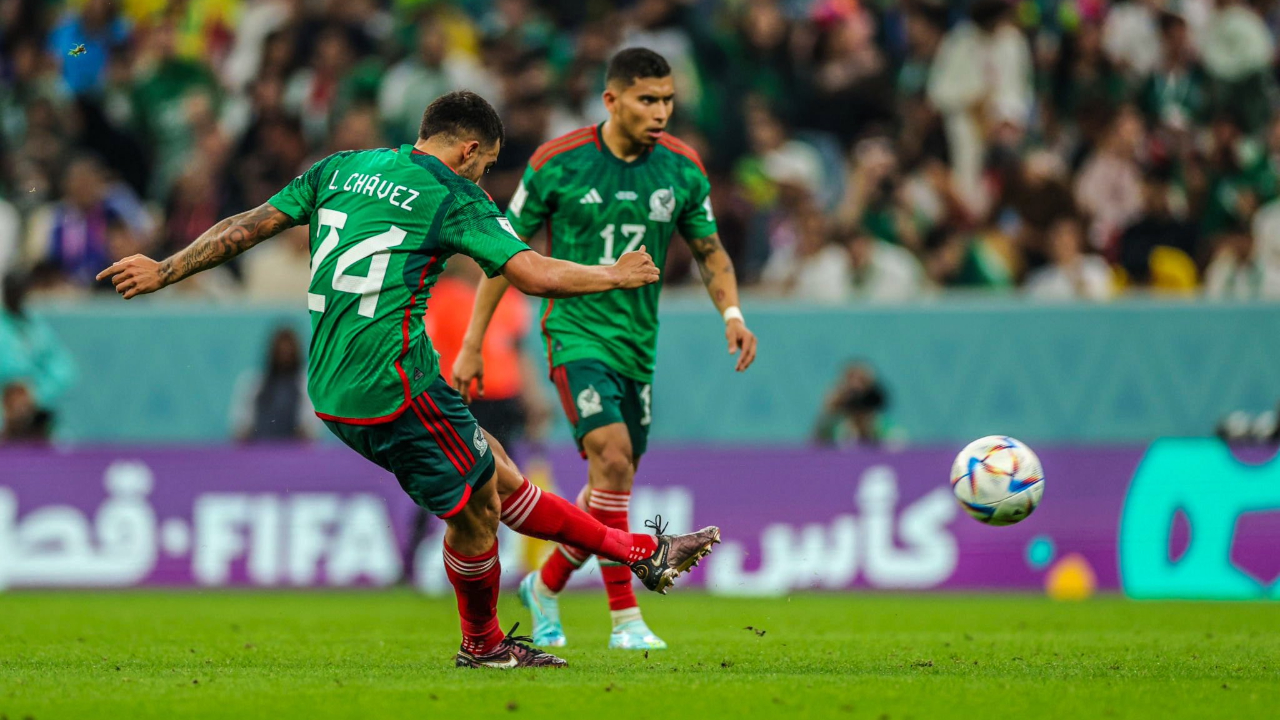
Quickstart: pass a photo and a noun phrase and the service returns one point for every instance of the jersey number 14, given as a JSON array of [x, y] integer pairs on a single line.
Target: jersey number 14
[[369, 286]]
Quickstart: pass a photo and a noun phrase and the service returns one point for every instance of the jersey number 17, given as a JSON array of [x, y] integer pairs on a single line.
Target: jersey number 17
[[634, 235]]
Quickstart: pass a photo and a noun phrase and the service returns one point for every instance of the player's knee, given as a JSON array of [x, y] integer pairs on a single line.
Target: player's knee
[[474, 532], [615, 469]]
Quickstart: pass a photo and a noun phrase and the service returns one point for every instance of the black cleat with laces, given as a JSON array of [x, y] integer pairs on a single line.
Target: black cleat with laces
[[513, 652], [675, 555]]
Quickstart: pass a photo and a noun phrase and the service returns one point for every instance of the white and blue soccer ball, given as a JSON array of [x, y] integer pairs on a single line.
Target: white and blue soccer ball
[[997, 480]]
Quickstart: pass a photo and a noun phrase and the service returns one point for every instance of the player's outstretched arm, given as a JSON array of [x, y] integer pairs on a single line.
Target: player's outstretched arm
[[722, 285], [139, 274], [535, 274]]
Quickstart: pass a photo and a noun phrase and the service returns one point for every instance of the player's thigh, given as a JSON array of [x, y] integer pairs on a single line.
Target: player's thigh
[[591, 394], [637, 413], [436, 450]]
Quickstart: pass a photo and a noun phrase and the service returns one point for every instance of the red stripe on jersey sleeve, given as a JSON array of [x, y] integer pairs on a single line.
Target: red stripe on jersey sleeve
[[679, 147], [561, 150], [548, 147]]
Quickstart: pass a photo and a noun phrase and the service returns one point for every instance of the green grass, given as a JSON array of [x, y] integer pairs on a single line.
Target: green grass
[[376, 655]]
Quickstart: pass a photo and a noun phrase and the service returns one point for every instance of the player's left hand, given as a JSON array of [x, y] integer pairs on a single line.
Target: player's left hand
[[468, 366], [740, 338], [134, 275]]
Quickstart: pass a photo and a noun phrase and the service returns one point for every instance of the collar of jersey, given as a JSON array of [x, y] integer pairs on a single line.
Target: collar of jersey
[[604, 150], [418, 157]]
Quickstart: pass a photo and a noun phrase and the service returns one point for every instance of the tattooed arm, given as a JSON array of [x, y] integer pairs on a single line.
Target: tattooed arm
[[722, 286], [139, 274]]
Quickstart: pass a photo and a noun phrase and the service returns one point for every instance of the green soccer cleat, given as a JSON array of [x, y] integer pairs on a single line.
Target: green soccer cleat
[[545, 609], [635, 635]]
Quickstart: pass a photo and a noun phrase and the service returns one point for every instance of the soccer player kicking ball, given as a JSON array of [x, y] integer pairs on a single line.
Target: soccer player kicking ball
[[383, 223], [601, 192]]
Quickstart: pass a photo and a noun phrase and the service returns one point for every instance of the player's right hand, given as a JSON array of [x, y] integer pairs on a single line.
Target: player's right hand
[[134, 275], [636, 269], [468, 366]]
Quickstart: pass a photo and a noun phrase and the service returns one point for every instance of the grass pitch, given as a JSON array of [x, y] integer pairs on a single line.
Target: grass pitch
[[376, 655]]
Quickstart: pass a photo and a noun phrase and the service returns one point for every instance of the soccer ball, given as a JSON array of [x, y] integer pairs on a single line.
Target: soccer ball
[[997, 480]]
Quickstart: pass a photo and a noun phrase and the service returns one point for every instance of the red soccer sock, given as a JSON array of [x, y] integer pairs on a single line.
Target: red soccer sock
[[610, 508], [532, 512], [560, 565], [475, 582]]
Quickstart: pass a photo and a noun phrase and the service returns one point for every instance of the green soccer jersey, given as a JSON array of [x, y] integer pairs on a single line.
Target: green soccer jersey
[[383, 224], [595, 208]]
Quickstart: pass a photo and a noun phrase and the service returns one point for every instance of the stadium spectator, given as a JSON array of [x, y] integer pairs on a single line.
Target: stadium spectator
[[1109, 187], [1237, 49], [272, 405], [852, 83], [981, 82], [10, 225], [512, 407], [428, 73], [880, 271], [22, 420], [1176, 93], [85, 41], [173, 99], [951, 130], [1130, 36], [1071, 274], [95, 219], [279, 271], [806, 265], [36, 370], [873, 199], [1157, 226], [853, 412]]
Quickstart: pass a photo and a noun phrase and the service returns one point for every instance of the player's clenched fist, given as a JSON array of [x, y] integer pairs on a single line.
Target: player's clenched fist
[[468, 367], [635, 269], [134, 275]]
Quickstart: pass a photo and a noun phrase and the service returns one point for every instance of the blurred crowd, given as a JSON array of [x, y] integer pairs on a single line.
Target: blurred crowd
[[872, 150]]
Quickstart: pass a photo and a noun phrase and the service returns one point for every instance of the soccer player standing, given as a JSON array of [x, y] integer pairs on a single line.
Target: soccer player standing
[[601, 192], [382, 225]]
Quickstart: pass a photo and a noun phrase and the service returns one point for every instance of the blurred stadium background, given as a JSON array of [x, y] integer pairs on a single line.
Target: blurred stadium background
[[1053, 219]]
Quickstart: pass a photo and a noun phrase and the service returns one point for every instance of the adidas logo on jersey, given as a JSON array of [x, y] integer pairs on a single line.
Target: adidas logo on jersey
[[591, 198]]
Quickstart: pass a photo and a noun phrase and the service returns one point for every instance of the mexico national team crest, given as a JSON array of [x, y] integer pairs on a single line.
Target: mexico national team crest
[[662, 205], [589, 402], [481, 442]]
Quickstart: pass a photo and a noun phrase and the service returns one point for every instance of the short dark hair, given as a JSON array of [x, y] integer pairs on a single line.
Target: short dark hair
[[462, 114], [635, 63]]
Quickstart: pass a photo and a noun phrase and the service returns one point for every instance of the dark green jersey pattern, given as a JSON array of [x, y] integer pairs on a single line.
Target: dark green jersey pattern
[[596, 207], [383, 223]]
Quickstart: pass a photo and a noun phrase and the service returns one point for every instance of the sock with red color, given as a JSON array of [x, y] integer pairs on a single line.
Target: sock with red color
[[610, 507], [530, 511], [475, 582], [557, 568]]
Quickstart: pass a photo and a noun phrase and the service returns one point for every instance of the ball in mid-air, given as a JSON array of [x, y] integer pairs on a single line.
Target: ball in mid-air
[[997, 480]]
